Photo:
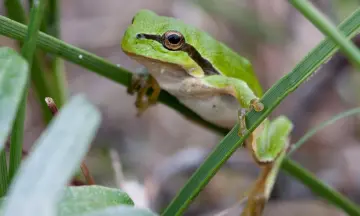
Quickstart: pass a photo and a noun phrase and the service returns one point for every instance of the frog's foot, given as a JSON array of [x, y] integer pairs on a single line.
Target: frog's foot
[[141, 84], [156, 90], [242, 121], [136, 82], [254, 104]]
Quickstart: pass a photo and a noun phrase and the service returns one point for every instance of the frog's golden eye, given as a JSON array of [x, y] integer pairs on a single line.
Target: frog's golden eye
[[173, 40]]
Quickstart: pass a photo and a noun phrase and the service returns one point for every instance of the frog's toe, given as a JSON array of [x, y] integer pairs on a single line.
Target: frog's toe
[[156, 90], [257, 105], [137, 82], [242, 122]]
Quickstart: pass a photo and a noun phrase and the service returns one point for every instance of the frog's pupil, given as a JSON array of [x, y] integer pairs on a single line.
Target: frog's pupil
[[174, 38]]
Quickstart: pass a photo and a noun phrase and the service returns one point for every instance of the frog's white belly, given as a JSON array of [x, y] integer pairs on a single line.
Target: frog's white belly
[[214, 110], [219, 109]]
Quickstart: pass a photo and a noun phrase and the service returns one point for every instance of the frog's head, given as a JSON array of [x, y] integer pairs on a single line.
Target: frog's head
[[166, 40]]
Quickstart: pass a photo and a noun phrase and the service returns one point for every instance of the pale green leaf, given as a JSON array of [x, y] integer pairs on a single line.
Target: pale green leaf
[[39, 184], [79, 200], [122, 210], [13, 75]]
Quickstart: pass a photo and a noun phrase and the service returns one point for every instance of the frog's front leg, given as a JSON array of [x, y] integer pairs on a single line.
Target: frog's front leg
[[240, 90], [140, 84]]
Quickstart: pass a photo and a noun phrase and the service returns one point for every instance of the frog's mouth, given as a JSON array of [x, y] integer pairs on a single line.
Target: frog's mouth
[[158, 67]]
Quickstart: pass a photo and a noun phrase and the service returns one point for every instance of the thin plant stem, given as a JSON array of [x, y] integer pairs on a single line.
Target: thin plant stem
[[28, 52], [314, 130], [320, 188], [318, 19], [57, 75]]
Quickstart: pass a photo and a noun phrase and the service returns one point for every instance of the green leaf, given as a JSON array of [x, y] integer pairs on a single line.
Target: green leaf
[[14, 72], [79, 200], [122, 211], [57, 153]]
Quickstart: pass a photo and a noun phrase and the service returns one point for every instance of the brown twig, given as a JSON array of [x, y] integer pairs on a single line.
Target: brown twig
[[52, 106], [84, 169], [86, 173]]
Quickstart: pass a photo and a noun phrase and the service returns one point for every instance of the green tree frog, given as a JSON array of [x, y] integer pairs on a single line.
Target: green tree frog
[[203, 74]]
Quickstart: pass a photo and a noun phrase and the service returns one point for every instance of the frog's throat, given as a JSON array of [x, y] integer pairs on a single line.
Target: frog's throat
[[149, 62], [203, 63]]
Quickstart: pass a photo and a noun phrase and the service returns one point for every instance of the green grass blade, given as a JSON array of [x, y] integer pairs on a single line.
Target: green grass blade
[[58, 80], [3, 174], [14, 73], [56, 156], [314, 130], [320, 188], [15, 10], [28, 52], [57, 75], [309, 179], [328, 29], [271, 99]]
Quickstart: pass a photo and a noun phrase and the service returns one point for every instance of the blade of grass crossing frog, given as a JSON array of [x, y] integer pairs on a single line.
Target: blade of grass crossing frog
[[319, 55]]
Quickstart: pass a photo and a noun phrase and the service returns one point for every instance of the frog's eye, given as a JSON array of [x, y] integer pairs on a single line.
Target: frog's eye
[[173, 40]]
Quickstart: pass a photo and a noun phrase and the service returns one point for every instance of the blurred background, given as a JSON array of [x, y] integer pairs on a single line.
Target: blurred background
[[151, 157]]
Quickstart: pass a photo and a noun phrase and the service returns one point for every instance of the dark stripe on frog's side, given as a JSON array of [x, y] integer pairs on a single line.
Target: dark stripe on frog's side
[[205, 65]]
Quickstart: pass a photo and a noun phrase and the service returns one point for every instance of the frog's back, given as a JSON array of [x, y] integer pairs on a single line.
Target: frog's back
[[228, 62]]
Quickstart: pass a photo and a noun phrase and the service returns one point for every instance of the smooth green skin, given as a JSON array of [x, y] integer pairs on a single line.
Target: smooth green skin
[[236, 71]]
